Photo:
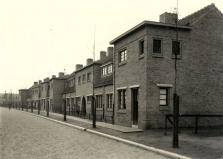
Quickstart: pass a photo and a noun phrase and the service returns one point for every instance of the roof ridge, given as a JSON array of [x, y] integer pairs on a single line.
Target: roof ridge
[[198, 11]]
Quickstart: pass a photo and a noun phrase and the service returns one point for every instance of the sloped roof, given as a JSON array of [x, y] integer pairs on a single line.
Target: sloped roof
[[192, 18]]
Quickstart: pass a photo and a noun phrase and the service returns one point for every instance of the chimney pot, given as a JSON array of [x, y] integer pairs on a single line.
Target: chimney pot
[[61, 74], [110, 51], [78, 66], [102, 55], [169, 18], [89, 61]]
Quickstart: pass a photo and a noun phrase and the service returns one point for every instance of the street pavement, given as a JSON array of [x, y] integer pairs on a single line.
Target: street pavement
[[24, 136]]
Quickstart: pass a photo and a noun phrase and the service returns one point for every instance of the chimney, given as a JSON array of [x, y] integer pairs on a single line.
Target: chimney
[[35, 83], [53, 76], [61, 74], [78, 66], [89, 61], [44, 79], [102, 55], [40, 81], [110, 51], [169, 18], [47, 79]]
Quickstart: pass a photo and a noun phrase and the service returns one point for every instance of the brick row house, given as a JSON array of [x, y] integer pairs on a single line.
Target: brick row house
[[134, 81], [144, 66]]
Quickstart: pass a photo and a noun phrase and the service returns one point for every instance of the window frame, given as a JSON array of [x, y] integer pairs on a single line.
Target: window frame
[[157, 54], [125, 53], [180, 50], [99, 102], [122, 99], [83, 78], [109, 101], [89, 77], [141, 48], [79, 80], [166, 96]]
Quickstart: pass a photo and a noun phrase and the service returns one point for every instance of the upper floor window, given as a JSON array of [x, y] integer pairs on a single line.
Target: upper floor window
[[106, 70], [84, 78], [123, 55], [71, 82], [79, 80], [176, 47], [89, 77], [141, 47], [109, 68], [157, 48]]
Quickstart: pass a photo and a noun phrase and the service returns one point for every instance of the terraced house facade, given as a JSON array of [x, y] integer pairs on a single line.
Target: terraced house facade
[[144, 64], [133, 83]]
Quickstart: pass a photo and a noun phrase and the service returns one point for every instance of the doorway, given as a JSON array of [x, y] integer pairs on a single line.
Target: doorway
[[135, 106], [83, 106]]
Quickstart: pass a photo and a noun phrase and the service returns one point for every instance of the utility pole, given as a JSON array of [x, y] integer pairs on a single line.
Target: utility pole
[[65, 102], [176, 97], [93, 96]]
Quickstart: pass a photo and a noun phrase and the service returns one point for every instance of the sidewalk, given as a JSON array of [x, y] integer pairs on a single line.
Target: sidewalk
[[208, 143]]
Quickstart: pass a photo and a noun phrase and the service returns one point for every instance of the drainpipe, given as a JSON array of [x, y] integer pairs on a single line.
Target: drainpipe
[[113, 112]]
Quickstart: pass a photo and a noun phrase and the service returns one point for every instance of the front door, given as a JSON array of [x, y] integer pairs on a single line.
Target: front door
[[135, 106]]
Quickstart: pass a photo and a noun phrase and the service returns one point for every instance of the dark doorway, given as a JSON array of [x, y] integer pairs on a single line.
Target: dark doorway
[[135, 106], [83, 106]]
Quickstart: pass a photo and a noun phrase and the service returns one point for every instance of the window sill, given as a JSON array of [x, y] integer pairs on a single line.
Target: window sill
[[122, 63], [98, 108], [106, 75], [89, 81], [164, 108], [141, 56], [159, 55], [178, 56], [122, 111], [109, 110]]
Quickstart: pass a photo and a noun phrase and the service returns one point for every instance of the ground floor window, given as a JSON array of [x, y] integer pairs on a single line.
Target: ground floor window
[[98, 101], [164, 96], [122, 99], [109, 101], [88, 99]]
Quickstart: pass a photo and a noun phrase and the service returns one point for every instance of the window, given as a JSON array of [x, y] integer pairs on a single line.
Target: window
[[84, 78], [79, 80], [98, 101], [71, 83], [88, 99], [122, 55], [122, 99], [141, 47], [42, 88], [51, 85], [109, 69], [175, 47], [104, 71], [109, 101], [156, 46], [89, 77], [163, 96]]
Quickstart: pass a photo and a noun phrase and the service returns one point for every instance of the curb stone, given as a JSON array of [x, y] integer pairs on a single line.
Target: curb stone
[[159, 151]]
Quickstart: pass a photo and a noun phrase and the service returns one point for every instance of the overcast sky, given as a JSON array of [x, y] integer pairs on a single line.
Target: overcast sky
[[40, 38]]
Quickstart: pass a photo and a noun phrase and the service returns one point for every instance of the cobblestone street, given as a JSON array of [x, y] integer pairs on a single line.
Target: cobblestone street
[[23, 136]]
